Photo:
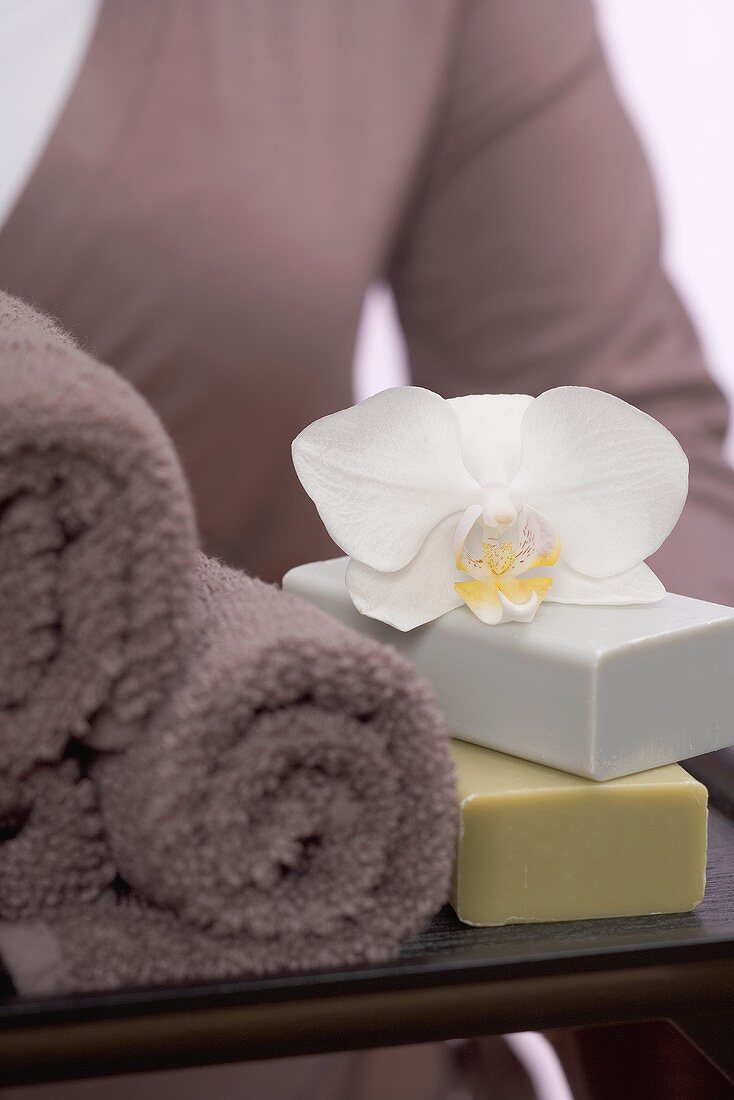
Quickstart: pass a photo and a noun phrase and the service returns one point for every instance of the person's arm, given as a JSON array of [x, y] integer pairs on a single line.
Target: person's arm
[[531, 256]]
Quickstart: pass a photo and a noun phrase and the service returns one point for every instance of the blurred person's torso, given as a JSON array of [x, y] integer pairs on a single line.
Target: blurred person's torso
[[223, 183]]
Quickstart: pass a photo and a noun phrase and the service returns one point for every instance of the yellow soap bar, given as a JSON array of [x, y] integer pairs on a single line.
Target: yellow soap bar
[[536, 844]]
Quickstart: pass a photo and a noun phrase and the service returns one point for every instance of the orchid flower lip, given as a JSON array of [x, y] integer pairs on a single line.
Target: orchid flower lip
[[522, 612], [498, 589]]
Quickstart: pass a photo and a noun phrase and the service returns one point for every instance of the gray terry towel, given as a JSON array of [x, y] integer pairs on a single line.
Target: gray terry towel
[[53, 851], [292, 806], [96, 546]]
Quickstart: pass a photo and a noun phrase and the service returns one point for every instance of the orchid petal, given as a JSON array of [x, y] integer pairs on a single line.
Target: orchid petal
[[507, 600], [490, 434], [537, 542], [610, 478], [462, 558], [636, 585], [419, 592], [383, 473]]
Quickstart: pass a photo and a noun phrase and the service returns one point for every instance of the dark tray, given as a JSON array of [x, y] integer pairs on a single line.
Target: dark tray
[[450, 981]]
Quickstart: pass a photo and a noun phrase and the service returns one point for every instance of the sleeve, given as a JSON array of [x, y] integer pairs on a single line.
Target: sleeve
[[530, 257]]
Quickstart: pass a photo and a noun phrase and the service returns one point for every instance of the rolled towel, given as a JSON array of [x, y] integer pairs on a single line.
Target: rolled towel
[[96, 547], [292, 806], [53, 852]]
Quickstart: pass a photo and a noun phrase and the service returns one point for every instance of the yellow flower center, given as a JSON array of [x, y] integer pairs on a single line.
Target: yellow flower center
[[497, 589], [499, 557]]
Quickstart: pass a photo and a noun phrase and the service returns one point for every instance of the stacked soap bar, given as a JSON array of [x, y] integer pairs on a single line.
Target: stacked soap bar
[[598, 691], [608, 700], [537, 844]]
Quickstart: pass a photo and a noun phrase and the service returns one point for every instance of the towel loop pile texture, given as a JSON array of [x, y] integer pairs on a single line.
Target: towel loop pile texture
[[291, 806], [200, 776], [296, 790], [97, 543]]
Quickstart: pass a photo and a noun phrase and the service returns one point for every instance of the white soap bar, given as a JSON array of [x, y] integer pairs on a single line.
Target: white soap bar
[[598, 691]]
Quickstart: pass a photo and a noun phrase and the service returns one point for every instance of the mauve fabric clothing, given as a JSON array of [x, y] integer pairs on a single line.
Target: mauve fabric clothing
[[229, 177]]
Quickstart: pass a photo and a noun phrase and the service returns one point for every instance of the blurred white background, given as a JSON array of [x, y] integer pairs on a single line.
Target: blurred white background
[[673, 61]]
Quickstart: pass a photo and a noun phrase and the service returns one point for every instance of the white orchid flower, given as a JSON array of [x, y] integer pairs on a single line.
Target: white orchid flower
[[495, 501]]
